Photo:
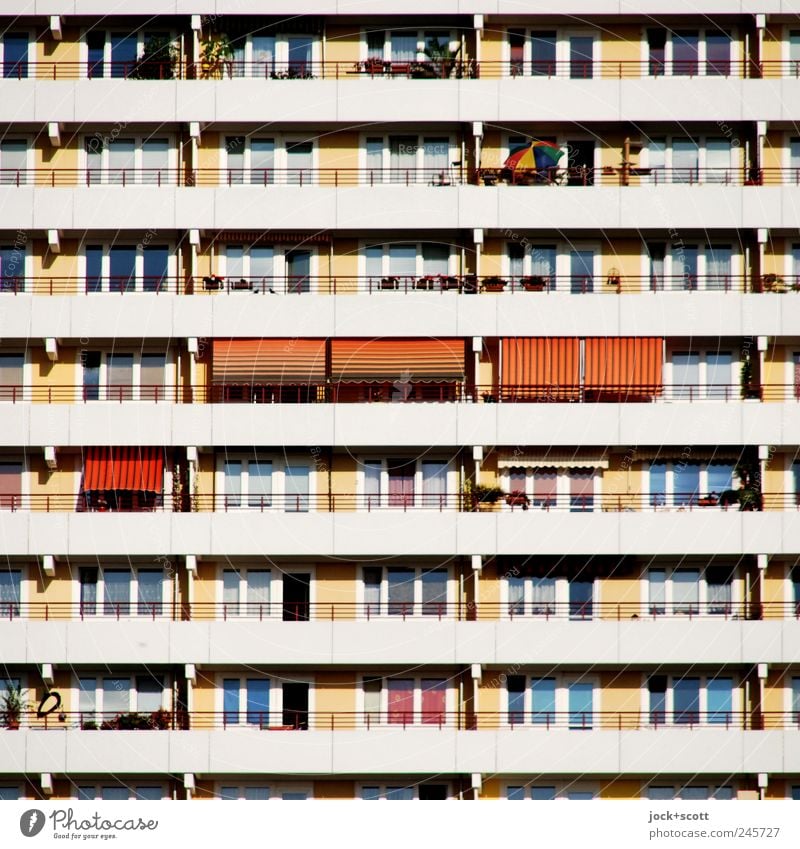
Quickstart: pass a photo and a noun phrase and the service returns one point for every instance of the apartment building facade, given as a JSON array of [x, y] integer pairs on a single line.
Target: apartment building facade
[[400, 405]]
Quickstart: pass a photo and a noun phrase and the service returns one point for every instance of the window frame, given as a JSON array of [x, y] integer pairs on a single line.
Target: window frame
[[276, 682], [563, 35], [454, 42], [669, 504], [703, 603], [451, 589], [280, 266], [563, 494], [134, 392], [99, 714], [451, 475], [275, 791], [562, 709], [368, 283], [25, 393], [668, 720], [562, 789], [105, 276], [280, 158], [278, 495], [450, 697], [137, 177], [141, 36]]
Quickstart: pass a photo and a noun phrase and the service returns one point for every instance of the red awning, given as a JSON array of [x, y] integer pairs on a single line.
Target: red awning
[[134, 469], [380, 360], [251, 361], [624, 365], [542, 367]]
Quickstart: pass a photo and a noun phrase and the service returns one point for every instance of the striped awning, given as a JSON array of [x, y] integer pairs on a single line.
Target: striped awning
[[411, 360], [260, 361], [549, 365], [693, 454], [131, 468], [553, 460], [250, 237], [624, 364]]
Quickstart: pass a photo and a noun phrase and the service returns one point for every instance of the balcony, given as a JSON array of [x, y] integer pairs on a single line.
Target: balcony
[[351, 92], [461, 284], [439, 206], [393, 531], [499, 748], [490, 634]]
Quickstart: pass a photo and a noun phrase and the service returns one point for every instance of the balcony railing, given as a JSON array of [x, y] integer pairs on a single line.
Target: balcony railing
[[607, 502], [517, 721], [465, 284], [405, 392], [398, 611], [421, 69], [440, 176]]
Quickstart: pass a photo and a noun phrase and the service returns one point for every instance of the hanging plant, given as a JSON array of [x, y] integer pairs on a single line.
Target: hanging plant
[[214, 52]]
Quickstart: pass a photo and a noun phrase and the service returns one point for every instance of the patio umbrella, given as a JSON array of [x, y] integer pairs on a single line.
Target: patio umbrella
[[537, 156]]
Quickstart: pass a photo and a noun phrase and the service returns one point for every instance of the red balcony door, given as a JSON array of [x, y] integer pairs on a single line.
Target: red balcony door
[[433, 701], [401, 482], [401, 701]]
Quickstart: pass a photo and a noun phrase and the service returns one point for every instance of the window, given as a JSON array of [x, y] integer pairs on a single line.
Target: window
[[142, 160], [535, 595], [13, 267], [536, 261], [246, 592], [127, 268], [406, 701], [400, 266], [690, 792], [684, 590], [263, 483], [14, 162], [269, 160], [401, 47], [118, 376], [404, 591], [407, 483], [405, 159], [548, 792], [124, 592], [573, 488], [268, 268], [550, 701], [102, 699], [115, 54], [11, 376], [10, 484], [9, 793], [15, 55], [550, 53], [388, 792], [689, 52], [246, 701], [264, 792], [682, 483], [691, 700], [111, 793], [280, 55], [10, 592], [681, 159]]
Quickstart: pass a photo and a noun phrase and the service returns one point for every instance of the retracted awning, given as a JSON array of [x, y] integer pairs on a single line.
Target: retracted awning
[[408, 360], [624, 365], [131, 468], [251, 361], [553, 460]]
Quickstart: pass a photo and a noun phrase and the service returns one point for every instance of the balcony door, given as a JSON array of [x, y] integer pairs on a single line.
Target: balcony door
[[581, 271], [298, 271], [401, 482], [295, 704], [296, 596]]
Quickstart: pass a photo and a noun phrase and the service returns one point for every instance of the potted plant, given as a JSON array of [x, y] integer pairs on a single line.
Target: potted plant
[[533, 283], [160, 719], [442, 59], [373, 65], [158, 61], [493, 284], [14, 704], [215, 51], [478, 494], [749, 492]]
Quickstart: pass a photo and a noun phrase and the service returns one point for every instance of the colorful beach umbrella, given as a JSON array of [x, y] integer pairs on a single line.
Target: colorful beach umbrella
[[537, 156]]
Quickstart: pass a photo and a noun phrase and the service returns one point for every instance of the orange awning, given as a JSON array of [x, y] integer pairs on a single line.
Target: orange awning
[[134, 468], [414, 360], [624, 365], [546, 366], [268, 361]]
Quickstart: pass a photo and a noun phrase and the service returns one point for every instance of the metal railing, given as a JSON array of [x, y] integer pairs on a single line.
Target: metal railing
[[407, 392], [448, 175], [395, 720], [607, 502], [397, 611], [416, 69], [465, 284]]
